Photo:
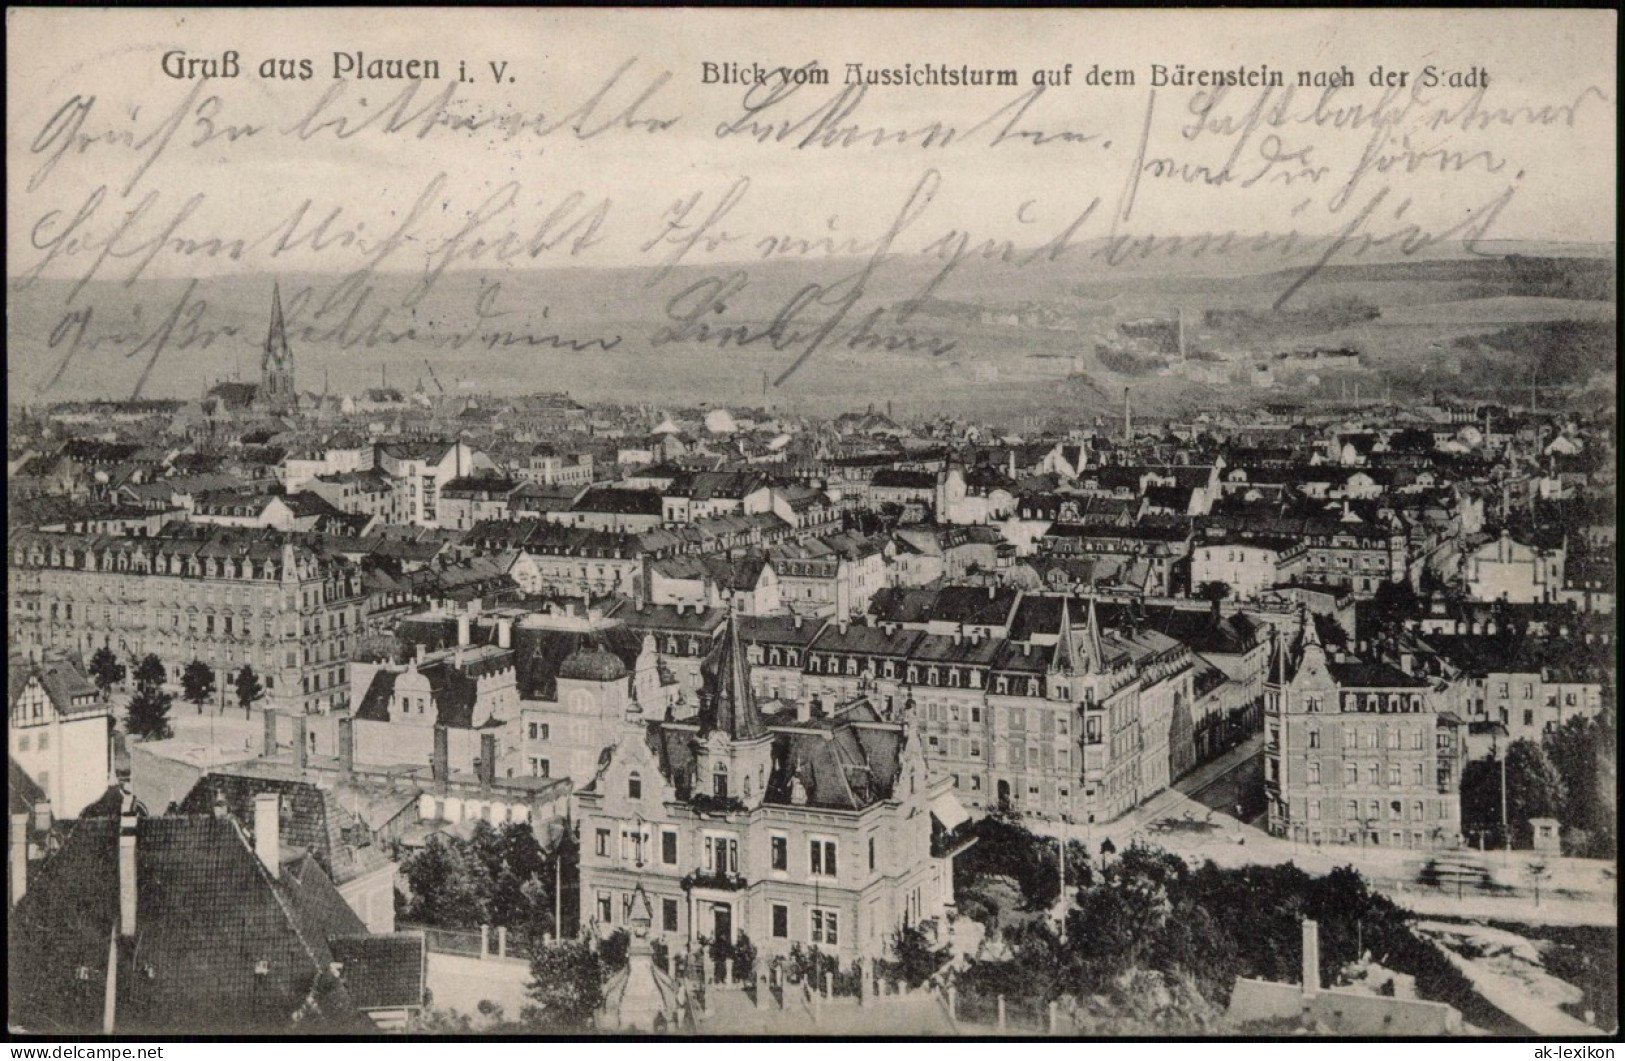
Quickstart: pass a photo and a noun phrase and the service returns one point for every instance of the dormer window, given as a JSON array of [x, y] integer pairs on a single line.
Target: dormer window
[[634, 786], [719, 781]]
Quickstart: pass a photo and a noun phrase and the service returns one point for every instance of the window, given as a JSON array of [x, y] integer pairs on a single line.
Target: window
[[634, 785], [825, 926], [1528, 717], [975, 749], [1418, 812], [1314, 738], [1351, 774], [605, 907], [602, 846], [1314, 772], [1351, 810], [872, 840], [721, 854], [975, 714], [1393, 774], [821, 858], [779, 848], [1314, 810], [1416, 773], [719, 782], [22, 743], [976, 782], [668, 847], [668, 915], [1416, 740], [1396, 809]]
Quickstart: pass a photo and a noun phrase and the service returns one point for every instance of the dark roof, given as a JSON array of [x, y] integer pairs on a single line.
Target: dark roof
[[1357, 675], [311, 821], [726, 700], [541, 657], [208, 916], [70, 692], [22, 793], [382, 972]]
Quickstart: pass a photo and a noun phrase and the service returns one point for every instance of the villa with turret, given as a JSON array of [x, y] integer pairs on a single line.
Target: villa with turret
[[791, 827]]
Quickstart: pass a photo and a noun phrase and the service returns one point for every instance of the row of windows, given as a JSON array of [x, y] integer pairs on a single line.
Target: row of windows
[[1374, 810], [721, 851], [42, 744], [1351, 773], [823, 923], [1391, 737]]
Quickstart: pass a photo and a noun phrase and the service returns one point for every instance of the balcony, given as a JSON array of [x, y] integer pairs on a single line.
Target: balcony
[[714, 881]]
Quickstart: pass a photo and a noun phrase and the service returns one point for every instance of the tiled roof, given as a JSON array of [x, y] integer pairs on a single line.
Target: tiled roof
[[382, 972], [218, 945], [21, 791]]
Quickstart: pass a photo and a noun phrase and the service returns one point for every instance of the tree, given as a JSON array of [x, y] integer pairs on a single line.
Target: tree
[[1534, 787], [445, 885], [1584, 752], [148, 714], [914, 959], [150, 673], [248, 688], [105, 669], [197, 683], [567, 985]]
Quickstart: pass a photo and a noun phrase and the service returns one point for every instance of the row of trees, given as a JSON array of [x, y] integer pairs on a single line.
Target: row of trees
[[149, 706], [1570, 775]]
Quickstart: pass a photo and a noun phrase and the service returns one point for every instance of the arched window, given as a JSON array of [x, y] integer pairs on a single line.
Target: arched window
[[634, 785]]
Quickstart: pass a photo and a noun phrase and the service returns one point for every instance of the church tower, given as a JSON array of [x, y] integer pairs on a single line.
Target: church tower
[[276, 369]]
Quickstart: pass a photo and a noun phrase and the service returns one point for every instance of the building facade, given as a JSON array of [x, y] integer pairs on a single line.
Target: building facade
[[1359, 753]]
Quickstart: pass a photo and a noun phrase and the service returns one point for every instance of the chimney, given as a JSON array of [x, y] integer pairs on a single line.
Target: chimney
[[19, 857], [270, 731], [220, 808], [462, 630], [417, 658], [268, 831], [126, 870], [438, 760], [346, 744], [301, 744], [1311, 958], [488, 759], [505, 631], [842, 626], [798, 620], [992, 591]]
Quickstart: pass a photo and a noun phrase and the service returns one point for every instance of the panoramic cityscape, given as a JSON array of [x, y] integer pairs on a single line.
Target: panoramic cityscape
[[734, 524], [423, 708]]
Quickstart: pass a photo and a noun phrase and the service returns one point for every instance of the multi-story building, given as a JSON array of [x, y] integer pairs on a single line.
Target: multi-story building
[[1249, 565], [1359, 753], [788, 829], [1508, 570], [1528, 685], [1360, 556], [58, 731], [227, 598], [425, 468], [549, 467]]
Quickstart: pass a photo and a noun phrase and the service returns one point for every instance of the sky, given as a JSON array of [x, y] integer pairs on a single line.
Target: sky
[[118, 171]]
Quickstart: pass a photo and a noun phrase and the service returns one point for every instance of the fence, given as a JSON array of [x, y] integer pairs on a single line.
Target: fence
[[482, 942]]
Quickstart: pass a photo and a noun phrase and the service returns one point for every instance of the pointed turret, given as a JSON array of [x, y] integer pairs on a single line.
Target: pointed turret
[[1065, 658], [726, 701], [1097, 655]]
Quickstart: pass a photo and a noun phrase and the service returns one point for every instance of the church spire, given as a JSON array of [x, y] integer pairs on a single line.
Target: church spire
[[276, 367]]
